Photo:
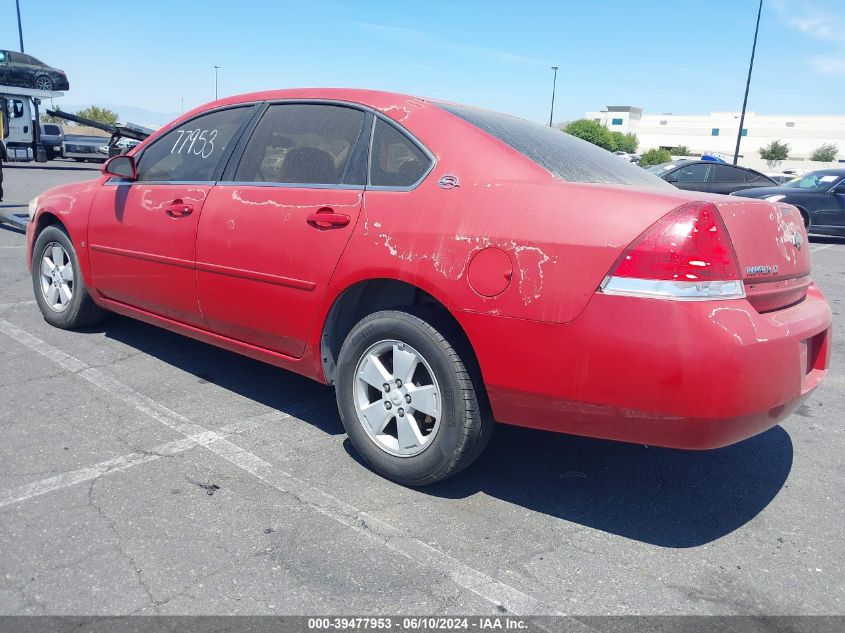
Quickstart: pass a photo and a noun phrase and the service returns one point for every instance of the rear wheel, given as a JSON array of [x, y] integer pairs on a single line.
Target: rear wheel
[[407, 399], [806, 217], [57, 281], [44, 83]]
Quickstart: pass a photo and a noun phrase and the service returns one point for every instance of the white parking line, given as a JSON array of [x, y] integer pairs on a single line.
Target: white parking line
[[3, 248], [168, 449], [479, 583], [17, 303], [821, 248]]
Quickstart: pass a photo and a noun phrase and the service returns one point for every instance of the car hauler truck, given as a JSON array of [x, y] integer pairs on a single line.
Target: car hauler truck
[[20, 107]]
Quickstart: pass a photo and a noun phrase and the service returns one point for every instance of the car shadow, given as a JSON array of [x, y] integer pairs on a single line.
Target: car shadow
[[664, 497], [252, 379]]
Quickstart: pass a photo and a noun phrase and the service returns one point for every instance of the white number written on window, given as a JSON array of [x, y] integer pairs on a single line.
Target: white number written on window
[[198, 142]]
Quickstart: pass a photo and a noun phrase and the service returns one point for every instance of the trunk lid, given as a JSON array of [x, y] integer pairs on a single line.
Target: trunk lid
[[772, 250]]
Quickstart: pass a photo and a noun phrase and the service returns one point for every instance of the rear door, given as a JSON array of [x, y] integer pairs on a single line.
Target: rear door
[[273, 229], [142, 233]]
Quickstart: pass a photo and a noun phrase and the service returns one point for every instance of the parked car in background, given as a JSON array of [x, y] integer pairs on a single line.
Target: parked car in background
[[84, 148], [780, 178], [710, 176], [819, 196], [444, 266], [24, 71], [52, 140], [121, 147]]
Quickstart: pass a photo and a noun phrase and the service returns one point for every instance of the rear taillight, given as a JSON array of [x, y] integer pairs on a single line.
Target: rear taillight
[[686, 254]]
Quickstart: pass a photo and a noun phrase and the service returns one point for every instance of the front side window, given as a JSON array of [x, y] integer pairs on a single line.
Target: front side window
[[692, 173], [192, 151], [396, 160], [304, 144]]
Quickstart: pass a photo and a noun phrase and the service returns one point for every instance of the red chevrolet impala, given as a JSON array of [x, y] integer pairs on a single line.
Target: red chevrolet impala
[[445, 267]]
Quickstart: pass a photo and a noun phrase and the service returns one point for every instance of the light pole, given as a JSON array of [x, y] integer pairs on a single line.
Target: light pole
[[554, 84], [216, 68], [747, 85], [20, 30]]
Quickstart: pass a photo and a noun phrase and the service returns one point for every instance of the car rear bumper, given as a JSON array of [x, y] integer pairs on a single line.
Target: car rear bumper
[[693, 375]]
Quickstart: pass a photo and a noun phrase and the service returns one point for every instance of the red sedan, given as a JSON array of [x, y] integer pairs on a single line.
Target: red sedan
[[444, 267]]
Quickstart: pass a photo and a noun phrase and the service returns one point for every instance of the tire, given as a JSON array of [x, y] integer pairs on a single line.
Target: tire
[[61, 295], [806, 217], [44, 83], [436, 446]]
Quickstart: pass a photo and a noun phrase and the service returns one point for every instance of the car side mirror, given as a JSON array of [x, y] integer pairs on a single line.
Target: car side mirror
[[122, 167], [671, 178]]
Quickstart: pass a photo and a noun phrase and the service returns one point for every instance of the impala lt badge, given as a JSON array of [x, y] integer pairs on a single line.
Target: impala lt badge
[[758, 271]]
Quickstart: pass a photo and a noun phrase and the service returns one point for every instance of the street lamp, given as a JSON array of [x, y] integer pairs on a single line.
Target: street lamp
[[554, 83], [20, 30], [747, 85], [216, 68]]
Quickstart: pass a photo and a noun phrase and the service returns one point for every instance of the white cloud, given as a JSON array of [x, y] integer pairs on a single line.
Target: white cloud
[[819, 27], [828, 64]]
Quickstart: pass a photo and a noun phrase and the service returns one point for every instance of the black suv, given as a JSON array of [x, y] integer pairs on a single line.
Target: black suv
[[24, 71]]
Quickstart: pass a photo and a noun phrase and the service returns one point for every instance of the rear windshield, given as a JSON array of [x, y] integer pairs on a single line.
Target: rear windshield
[[564, 156], [52, 129]]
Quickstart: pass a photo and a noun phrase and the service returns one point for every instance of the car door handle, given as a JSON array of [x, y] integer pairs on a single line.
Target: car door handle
[[178, 209], [326, 218]]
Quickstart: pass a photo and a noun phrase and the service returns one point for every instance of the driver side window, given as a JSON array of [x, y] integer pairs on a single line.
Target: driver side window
[[192, 152]]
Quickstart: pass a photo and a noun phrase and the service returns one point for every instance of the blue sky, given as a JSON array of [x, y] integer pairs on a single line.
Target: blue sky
[[681, 56]]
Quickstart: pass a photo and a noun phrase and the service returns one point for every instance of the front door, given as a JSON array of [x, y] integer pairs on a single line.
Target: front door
[[270, 238], [142, 233]]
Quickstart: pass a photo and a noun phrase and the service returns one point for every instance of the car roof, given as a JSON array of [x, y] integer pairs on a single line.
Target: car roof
[[378, 99]]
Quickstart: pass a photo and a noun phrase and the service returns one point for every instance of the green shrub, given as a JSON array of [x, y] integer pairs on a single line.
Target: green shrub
[[825, 153], [655, 157]]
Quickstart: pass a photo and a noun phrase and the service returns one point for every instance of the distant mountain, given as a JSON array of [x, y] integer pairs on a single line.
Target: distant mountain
[[127, 114]]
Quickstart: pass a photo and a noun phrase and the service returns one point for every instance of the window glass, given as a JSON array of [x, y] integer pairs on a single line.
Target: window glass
[[15, 107], [2, 56], [52, 129], [17, 58], [192, 151], [692, 173], [397, 161], [616, 122], [714, 131], [562, 155], [303, 143], [725, 173]]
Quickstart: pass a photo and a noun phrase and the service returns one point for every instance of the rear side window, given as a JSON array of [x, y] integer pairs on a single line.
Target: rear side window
[[564, 156], [305, 144], [396, 160], [192, 151], [726, 173]]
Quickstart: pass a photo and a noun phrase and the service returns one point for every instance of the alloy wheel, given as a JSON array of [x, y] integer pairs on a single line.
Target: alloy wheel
[[397, 398], [57, 277]]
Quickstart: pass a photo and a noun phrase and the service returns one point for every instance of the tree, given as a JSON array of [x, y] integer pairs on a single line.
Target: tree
[[103, 115], [655, 157], [591, 132], [46, 118], [774, 153], [825, 153], [624, 142], [680, 150]]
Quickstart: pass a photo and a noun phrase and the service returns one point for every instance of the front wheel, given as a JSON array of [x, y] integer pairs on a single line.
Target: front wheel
[[44, 83], [407, 399], [57, 281]]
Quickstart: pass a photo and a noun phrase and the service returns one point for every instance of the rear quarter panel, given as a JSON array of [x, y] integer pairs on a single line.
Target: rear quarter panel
[[561, 238]]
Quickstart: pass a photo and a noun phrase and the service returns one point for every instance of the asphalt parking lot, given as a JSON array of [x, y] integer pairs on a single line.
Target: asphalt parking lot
[[144, 472]]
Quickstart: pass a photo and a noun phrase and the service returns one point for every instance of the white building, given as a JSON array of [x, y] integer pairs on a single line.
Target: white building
[[716, 132]]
